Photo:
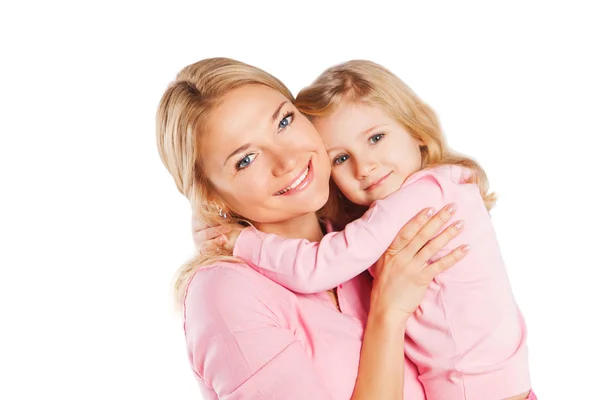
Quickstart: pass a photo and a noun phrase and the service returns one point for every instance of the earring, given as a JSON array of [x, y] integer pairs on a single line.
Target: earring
[[220, 210]]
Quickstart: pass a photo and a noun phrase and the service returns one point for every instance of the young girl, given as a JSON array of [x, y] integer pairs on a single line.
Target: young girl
[[468, 338]]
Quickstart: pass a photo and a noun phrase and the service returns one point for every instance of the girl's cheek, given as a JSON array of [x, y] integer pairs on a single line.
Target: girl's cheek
[[336, 178]]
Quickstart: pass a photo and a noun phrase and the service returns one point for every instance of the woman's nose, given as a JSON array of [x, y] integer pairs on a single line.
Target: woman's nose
[[285, 162]]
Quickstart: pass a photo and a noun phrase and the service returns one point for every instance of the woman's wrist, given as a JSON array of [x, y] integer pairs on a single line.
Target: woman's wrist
[[384, 316]]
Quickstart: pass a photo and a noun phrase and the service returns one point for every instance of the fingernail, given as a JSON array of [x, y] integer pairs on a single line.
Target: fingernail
[[459, 225], [465, 248], [224, 229], [430, 212], [452, 208]]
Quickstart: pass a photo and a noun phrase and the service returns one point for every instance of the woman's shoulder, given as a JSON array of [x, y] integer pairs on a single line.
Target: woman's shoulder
[[214, 280], [228, 291]]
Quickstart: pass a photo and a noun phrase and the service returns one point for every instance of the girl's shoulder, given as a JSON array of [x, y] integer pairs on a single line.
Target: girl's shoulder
[[442, 174]]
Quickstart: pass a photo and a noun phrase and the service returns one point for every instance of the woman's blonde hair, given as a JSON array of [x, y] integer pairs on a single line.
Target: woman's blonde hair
[[367, 82], [181, 122]]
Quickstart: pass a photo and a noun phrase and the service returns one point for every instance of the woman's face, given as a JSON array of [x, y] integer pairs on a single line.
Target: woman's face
[[266, 161]]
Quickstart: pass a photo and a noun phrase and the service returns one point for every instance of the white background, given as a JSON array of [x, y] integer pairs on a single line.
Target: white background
[[92, 227]]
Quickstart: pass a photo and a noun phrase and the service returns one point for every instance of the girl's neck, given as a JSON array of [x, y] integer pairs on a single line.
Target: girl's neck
[[303, 227]]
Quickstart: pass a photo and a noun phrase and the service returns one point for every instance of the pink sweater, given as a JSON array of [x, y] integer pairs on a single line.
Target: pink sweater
[[468, 337], [249, 338]]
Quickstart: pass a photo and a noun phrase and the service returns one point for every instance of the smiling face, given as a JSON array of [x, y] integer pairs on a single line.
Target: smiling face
[[265, 160], [371, 153]]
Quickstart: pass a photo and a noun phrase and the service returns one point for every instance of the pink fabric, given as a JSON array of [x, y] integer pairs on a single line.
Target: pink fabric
[[250, 338], [468, 338]]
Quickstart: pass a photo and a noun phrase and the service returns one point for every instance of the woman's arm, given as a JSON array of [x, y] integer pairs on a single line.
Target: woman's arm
[[381, 367], [401, 278]]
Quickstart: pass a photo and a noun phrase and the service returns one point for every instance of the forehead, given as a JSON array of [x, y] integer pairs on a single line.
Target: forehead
[[348, 121], [242, 116], [244, 108]]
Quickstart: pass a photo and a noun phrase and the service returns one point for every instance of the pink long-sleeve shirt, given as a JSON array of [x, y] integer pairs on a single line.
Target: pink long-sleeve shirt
[[468, 337], [250, 338]]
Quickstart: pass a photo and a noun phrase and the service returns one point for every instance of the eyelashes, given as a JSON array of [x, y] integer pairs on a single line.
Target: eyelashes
[[376, 138], [245, 161], [340, 159], [286, 121]]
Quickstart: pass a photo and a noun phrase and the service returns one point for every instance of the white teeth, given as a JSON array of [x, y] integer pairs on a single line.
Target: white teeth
[[300, 179]]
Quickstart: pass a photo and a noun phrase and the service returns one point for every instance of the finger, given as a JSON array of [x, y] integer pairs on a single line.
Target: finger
[[210, 233], [431, 228], [447, 261], [436, 244], [213, 244], [410, 229], [198, 224]]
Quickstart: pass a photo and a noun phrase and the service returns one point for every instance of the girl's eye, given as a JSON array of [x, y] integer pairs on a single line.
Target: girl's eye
[[286, 121], [245, 162], [376, 138], [340, 159]]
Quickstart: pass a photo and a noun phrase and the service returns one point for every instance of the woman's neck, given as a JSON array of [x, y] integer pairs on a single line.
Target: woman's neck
[[304, 227]]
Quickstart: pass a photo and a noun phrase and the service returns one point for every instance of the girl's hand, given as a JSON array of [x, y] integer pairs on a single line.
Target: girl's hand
[[207, 238]]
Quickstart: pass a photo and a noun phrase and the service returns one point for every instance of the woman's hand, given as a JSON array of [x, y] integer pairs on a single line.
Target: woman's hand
[[403, 273], [207, 238]]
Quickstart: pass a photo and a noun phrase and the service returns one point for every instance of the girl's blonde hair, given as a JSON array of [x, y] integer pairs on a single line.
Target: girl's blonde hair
[[181, 122], [367, 82]]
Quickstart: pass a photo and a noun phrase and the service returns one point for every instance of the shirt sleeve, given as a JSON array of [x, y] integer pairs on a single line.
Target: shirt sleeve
[[311, 267], [238, 346]]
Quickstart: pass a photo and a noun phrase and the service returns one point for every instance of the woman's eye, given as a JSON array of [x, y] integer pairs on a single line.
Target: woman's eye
[[246, 161], [340, 159], [376, 138], [286, 121]]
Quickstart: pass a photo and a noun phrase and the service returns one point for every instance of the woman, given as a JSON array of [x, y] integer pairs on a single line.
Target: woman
[[247, 337]]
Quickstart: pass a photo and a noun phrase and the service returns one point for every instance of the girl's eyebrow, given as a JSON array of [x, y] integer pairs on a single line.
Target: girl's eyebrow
[[373, 128]]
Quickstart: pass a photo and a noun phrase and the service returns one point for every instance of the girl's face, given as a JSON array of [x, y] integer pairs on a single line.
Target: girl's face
[[264, 159], [371, 153]]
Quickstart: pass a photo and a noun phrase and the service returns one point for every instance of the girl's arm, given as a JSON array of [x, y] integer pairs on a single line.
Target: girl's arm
[[311, 267]]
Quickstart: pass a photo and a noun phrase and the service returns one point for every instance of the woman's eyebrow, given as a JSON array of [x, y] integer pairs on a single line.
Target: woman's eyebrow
[[276, 113], [238, 150]]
